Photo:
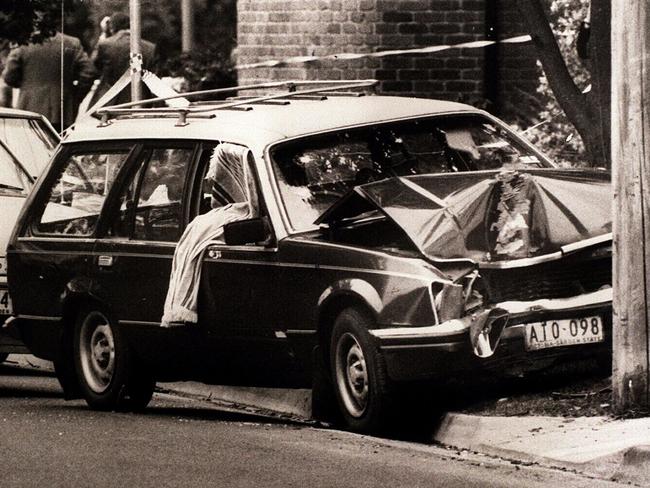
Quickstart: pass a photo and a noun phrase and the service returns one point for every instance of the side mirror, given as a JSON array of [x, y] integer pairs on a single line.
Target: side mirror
[[248, 231]]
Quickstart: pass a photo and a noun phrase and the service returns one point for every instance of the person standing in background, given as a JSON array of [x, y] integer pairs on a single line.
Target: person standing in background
[[104, 32], [112, 56], [49, 84], [5, 91]]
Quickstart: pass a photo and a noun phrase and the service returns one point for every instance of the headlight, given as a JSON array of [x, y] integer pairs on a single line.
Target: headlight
[[449, 302], [455, 300]]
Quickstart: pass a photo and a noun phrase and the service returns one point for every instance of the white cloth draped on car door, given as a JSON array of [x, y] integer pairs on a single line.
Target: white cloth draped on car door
[[228, 173]]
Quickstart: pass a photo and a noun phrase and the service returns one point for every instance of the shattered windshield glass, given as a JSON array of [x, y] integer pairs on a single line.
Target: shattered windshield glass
[[12, 177], [314, 172], [29, 140], [25, 148]]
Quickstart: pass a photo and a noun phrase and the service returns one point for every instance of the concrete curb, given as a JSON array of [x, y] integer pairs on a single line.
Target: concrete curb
[[595, 446], [29, 362], [635, 466], [288, 402]]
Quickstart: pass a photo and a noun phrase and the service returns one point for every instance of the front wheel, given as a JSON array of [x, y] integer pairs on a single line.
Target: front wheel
[[104, 365], [358, 373]]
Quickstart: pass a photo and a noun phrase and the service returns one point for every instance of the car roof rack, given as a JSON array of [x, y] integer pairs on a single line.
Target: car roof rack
[[313, 89]]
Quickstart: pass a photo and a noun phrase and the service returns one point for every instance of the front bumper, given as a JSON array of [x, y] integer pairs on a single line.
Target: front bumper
[[418, 353]]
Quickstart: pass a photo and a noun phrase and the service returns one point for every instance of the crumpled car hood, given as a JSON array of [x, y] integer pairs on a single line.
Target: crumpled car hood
[[487, 216]]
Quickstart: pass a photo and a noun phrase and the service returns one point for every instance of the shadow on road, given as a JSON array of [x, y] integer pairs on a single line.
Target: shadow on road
[[10, 369], [14, 383], [160, 408], [26, 392], [215, 413], [552, 392]]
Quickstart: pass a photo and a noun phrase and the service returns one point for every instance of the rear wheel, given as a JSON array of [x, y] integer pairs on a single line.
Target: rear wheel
[[105, 366], [359, 373]]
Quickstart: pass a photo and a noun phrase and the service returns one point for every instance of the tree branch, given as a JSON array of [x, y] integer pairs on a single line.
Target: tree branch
[[573, 102], [600, 54]]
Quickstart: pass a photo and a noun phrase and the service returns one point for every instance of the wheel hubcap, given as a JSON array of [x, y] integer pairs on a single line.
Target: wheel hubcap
[[352, 375], [97, 351]]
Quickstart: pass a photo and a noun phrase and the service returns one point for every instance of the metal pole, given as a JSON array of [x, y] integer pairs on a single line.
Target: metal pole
[[62, 68], [187, 25], [136, 54]]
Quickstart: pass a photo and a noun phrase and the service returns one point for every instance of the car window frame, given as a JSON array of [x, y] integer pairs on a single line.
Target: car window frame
[[53, 171], [197, 190], [130, 171]]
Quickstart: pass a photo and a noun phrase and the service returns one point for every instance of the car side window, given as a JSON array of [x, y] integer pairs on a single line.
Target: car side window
[[76, 197], [151, 204]]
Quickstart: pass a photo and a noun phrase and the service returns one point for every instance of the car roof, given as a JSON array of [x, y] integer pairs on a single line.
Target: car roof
[[261, 124]]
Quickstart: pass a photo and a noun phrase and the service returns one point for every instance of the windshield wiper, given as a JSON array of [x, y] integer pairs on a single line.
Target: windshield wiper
[[4, 186], [17, 161]]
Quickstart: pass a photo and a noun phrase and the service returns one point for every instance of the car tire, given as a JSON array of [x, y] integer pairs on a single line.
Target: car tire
[[3, 357], [359, 373], [105, 367]]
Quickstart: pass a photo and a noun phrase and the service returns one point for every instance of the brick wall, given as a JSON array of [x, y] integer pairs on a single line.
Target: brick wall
[[276, 29]]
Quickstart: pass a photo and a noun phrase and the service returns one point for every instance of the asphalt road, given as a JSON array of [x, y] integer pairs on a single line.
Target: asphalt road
[[48, 442]]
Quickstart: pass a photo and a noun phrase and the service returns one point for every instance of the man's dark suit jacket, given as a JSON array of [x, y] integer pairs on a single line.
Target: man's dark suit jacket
[[36, 70], [111, 59]]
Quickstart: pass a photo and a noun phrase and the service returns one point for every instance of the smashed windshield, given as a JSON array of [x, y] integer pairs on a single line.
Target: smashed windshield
[[314, 172]]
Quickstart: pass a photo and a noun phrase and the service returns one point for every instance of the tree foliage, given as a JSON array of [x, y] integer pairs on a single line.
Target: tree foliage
[[24, 21], [553, 25], [209, 65], [554, 131]]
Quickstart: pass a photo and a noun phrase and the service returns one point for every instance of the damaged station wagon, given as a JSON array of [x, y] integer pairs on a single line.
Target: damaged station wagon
[[393, 241]]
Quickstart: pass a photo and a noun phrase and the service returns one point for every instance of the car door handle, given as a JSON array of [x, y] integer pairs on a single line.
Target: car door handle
[[105, 261]]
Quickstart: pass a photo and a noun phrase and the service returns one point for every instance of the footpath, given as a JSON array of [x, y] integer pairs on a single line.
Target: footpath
[[602, 447]]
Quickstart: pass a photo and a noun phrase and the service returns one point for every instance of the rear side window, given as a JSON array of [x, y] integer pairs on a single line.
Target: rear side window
[[151, 205], [78, 194]]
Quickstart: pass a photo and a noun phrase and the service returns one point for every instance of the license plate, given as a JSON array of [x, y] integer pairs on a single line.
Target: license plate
[[5, 303], [563, 332]]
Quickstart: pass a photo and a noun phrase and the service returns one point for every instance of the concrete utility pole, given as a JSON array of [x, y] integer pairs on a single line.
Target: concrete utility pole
[[630, 164], [187, 25], [136, 54]]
